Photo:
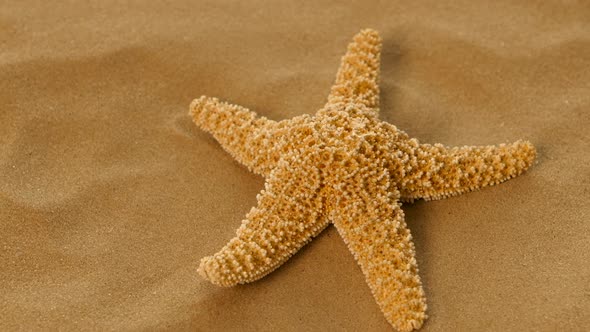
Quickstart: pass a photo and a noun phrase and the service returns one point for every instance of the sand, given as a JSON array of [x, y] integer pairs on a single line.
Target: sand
[[109, 195]]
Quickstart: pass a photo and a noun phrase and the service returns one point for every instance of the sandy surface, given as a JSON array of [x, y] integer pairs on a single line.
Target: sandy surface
[[109, 195]]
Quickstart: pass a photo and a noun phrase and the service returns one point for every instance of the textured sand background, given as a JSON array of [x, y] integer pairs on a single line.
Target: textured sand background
[[109, 195]]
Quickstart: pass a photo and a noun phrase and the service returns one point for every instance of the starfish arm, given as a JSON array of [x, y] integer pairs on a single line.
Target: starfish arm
[[372, 224], [435, 171], [357, 80], [240, 132], [288, 215]]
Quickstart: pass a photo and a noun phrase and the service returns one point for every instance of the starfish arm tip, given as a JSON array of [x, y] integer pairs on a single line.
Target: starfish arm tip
[[529, 151], [241, 132], [357, 80], [371, 33], [194, 106], [209, 272]]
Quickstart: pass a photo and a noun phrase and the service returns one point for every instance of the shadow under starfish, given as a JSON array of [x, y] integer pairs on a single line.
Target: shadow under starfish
[[345, 166]]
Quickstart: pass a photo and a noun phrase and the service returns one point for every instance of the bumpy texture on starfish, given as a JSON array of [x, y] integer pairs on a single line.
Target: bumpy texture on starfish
[[344, 166]]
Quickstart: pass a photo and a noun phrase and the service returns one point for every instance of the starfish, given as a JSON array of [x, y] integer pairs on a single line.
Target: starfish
[[346, 167]]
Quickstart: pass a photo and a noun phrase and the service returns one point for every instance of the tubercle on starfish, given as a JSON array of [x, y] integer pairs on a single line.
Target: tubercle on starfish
[[344, 166]]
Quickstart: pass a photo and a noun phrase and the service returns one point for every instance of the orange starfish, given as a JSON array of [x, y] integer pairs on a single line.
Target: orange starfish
[[344, 166]]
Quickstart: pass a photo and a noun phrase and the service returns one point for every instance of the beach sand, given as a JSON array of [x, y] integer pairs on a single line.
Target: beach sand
[[109, 195]]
